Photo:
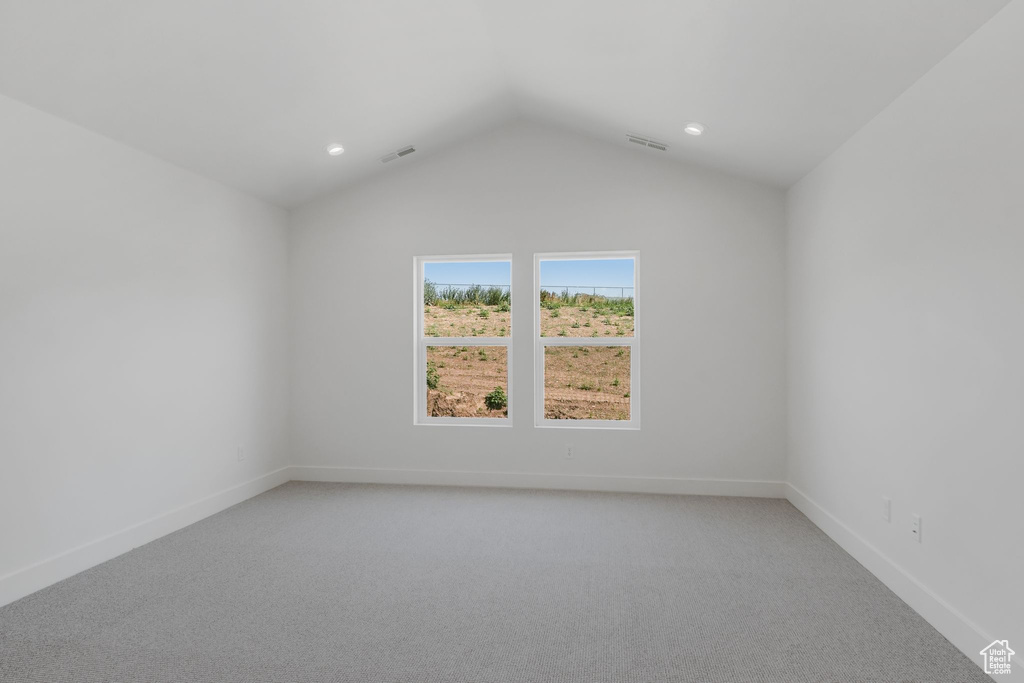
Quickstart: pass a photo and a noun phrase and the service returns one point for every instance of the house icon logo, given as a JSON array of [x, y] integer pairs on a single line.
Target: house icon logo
[[997, 657]]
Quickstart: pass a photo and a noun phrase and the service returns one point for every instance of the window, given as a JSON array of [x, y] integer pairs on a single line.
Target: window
[[587, 341], [463, 340]]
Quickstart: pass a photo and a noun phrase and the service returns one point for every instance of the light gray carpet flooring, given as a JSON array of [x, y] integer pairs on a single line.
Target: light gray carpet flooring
[[367, 584]]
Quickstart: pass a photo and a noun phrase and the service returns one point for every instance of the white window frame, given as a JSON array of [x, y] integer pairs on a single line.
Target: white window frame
[[421, 342], [540, 342]]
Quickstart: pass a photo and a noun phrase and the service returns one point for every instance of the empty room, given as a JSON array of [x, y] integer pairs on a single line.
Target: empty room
[[481, 341]]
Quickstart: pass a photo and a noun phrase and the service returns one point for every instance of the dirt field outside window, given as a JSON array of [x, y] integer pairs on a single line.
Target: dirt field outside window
[[467, 320], [467, 381], [586, 382]]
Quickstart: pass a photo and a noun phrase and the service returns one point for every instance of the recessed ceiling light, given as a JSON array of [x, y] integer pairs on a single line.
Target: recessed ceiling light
[[335, 149], [694, 128]]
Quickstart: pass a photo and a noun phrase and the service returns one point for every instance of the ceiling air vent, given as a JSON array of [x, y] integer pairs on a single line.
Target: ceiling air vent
[[395, 155], [647, 142]]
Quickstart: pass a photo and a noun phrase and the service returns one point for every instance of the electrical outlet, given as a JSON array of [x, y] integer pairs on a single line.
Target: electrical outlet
[[241, 454], [886, 509], [569, 454], [915, 527]]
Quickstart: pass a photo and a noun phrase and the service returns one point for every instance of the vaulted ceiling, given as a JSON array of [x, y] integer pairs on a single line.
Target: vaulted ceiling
[[249, 93]]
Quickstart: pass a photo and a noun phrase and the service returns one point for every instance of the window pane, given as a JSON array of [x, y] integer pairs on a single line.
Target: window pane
[[467, 299], [586, 382], [586, 298], [467, 381]]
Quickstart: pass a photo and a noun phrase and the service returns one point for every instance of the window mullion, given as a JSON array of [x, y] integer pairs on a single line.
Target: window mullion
[[587, 341]]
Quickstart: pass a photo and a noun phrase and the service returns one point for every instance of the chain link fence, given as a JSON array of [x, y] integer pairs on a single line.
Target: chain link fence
[[448, 290]]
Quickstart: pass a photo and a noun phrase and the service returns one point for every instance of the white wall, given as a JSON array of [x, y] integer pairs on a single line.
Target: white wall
[[142, 339], [713, 285], [906, 283]]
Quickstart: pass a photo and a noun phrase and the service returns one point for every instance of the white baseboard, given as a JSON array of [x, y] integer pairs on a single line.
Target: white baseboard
[[967, 636], [529, 480], [22, 582]]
